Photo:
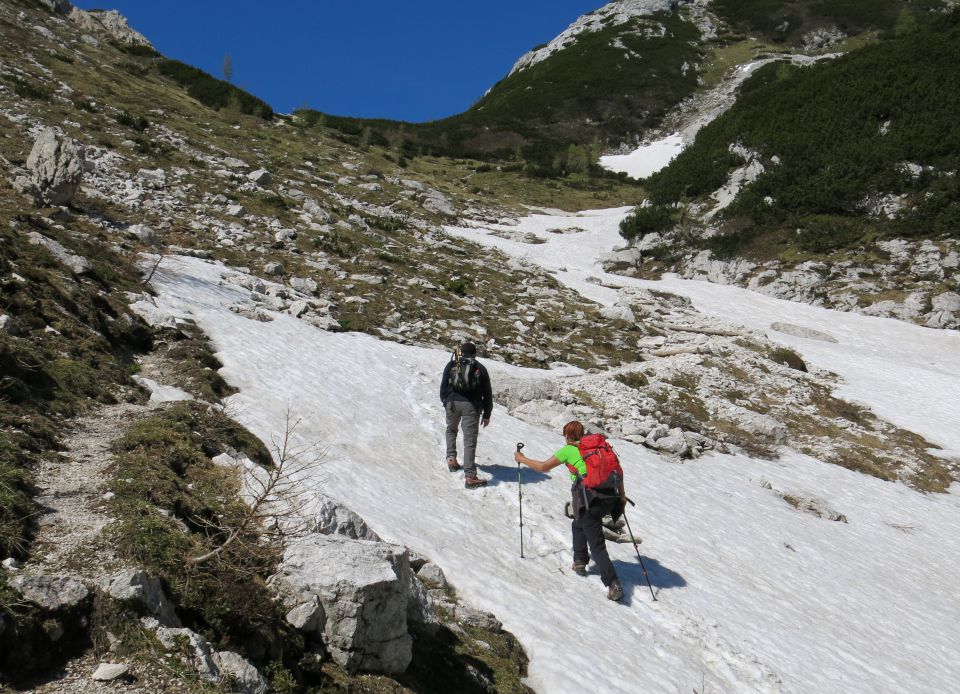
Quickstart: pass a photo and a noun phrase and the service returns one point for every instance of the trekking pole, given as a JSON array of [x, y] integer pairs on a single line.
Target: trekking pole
[[645, 574], [520, 493]]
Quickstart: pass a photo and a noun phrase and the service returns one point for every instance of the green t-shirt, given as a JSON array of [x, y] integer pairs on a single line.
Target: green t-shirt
[[570, 455]]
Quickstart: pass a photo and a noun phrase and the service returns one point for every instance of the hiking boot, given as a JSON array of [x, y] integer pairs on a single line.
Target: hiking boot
[[474, 482], [579, 568], [453, 465], [615, 591]]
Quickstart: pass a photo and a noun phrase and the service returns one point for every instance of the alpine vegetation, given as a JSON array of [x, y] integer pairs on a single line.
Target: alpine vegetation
[[302, 403]]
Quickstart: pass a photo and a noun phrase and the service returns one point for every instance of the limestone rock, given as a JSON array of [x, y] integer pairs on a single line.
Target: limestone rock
[[621, 313], [514, 392], [420, 608], [304, 285], [273, 269], [946, 311], [136, 586], [261, 177], [618, 261], [55, 168], [52, 593], [76, 263], [109, 671], [800, 331], [755, 423], [364, 588], [312, 208], [548, 413], [673, 442], [434, 201], [110, 22], [244, 676], [202, 657], [476, 618], [143, 233], [926, 263], [155, 179], [308, 616], [433, 575], [332, 518], [650, 241]]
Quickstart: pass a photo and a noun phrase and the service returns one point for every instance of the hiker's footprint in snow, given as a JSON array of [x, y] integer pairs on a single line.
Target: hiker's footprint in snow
[[726, 662]]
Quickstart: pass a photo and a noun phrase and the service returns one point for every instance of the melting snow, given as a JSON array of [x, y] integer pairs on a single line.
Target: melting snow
[[647, 159], [754, 596]]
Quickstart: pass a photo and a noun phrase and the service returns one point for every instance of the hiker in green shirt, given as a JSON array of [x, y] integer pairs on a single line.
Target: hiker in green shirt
[[587, 525]]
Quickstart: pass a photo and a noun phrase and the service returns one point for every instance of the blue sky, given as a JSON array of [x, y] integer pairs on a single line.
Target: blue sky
[[416, 60]]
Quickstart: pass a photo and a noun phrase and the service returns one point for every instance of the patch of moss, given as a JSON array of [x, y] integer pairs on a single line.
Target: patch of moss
[[636, 380], [785, 355]]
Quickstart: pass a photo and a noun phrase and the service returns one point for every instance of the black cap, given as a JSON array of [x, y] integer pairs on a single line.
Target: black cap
[[468, 349]]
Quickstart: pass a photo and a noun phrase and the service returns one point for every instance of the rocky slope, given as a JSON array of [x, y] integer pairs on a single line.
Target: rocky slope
[[796, 194], [115, 162]]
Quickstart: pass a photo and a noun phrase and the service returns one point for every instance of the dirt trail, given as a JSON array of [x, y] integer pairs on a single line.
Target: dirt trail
[[73, 485]]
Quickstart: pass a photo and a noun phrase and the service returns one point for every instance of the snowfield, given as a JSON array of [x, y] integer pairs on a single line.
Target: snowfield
[[647, 159], [753, 596]]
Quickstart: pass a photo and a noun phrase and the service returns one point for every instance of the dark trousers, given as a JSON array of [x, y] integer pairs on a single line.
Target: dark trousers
[[588, 535]]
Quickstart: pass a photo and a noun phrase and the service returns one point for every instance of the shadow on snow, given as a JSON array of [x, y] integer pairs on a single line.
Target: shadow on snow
[[631, 576]]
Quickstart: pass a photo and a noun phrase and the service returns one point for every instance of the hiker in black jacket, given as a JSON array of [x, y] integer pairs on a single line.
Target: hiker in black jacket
[[468, 401]]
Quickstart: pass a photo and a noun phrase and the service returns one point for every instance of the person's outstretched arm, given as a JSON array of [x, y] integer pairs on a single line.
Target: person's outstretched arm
[[538, 465]]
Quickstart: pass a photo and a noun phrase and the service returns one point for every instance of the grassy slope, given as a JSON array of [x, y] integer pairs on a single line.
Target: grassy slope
[[593, 94], [841, 130]]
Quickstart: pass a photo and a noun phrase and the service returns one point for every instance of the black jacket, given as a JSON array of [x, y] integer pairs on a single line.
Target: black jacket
[[482, 399]]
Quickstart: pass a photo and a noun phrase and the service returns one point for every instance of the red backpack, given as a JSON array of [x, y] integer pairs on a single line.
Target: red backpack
[[603, 465]]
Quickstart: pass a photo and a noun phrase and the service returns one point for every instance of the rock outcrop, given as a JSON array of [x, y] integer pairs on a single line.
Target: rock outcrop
[[109, 22], [356, 595], [55, 168], [136, 587]]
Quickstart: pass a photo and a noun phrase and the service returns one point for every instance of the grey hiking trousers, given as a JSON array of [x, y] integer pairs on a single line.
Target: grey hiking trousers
[[463, 415]]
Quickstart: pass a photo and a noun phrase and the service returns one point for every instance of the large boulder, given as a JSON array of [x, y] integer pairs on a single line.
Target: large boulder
[[364, 590], [54, 169]]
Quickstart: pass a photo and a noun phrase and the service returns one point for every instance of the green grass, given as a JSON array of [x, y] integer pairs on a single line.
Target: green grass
[[48, 376], [165, 482]]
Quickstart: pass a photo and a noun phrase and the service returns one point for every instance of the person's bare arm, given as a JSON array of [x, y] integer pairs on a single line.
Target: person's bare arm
[[538, 465]]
